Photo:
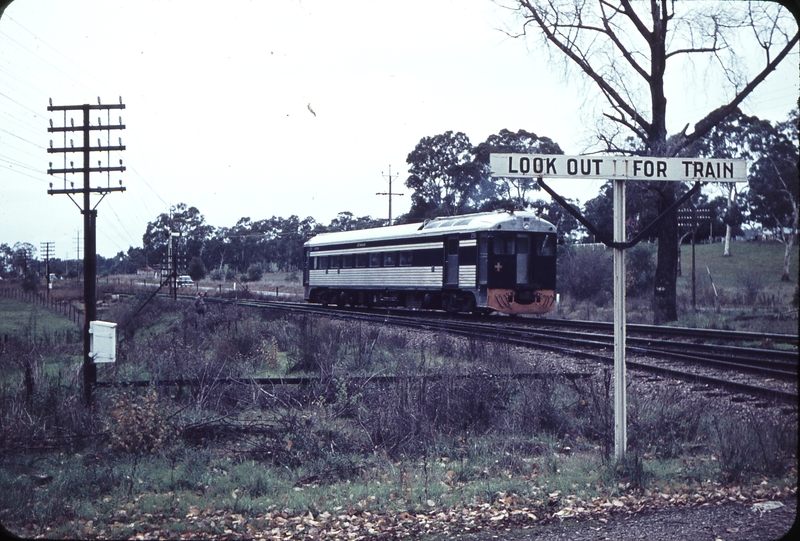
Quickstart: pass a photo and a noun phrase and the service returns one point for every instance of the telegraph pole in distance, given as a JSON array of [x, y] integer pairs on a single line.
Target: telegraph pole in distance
[[48, 248], [89, 212], [389, 193]]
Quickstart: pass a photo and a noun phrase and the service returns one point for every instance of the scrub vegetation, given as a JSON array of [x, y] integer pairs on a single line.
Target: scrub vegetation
[[389, 422], [744, 292]]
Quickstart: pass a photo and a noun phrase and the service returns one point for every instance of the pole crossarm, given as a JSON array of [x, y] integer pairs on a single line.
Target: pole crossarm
[[596, 232], [85, 106], [68, 191], [62, 150], [118, 168], [99, 127]]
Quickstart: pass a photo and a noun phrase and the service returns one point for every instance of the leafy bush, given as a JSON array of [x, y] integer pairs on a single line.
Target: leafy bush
[[587, 275], [254, 272], [137, 424], [640, 269], [196, 269], [751, 283]]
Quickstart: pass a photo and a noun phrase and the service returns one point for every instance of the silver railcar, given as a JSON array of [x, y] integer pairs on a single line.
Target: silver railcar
[[498, 261]]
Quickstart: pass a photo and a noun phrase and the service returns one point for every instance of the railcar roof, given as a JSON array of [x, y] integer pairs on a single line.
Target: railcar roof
[[509, 221]]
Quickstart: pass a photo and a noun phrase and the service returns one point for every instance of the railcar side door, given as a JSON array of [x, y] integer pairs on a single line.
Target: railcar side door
[[451, 261]]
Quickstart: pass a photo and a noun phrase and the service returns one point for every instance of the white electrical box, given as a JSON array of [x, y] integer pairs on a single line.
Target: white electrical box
[[103, 348]]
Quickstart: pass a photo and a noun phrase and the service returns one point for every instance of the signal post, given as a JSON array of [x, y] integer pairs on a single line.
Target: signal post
[[618, 169]]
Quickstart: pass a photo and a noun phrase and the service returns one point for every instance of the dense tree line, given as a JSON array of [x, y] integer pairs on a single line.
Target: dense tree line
[[448, 175]]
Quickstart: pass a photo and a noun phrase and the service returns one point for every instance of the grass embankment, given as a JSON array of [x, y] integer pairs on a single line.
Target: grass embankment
[[747, 292], [31, 321], [459, 449]]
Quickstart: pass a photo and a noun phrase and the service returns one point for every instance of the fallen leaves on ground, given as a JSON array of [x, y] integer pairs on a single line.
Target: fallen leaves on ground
[[508, 511]]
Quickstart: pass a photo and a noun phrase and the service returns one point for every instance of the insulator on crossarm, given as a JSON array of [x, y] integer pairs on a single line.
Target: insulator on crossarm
[[51, 121], [98, 101], [51, 101], [51, 143], [120, 100]]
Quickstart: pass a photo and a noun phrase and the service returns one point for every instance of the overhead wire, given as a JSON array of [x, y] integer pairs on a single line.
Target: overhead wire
[[28, 86]]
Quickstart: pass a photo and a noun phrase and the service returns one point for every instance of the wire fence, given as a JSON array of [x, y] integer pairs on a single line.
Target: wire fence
[[65, 308]]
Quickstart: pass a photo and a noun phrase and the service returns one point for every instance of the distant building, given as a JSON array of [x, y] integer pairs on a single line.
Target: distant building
[[148, 272]]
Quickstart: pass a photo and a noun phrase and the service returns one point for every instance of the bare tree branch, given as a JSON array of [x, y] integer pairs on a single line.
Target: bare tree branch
[[717, 115]]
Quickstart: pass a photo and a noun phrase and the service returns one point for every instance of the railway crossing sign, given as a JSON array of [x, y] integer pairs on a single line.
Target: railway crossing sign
[[618, 169]]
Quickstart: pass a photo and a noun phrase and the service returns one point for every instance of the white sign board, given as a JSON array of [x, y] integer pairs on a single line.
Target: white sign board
[[103, 347], [618, 167]]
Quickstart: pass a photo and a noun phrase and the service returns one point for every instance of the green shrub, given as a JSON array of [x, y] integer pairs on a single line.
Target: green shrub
[[254, 272], [640, 269], [138, 424], [587, 275]]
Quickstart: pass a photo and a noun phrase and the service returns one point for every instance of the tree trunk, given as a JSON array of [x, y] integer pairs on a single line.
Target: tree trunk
[[666, 278], [787, 258], [731, 198], [727, 250]]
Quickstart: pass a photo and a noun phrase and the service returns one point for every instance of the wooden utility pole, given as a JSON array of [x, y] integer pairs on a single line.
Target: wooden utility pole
[[390, 193], [89, 212]]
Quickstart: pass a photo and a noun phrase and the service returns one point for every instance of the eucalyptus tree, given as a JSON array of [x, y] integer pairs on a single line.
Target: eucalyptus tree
[[444, 178], [731, 138], [514, 189], [183, 222], [774, 188], [626, 51]]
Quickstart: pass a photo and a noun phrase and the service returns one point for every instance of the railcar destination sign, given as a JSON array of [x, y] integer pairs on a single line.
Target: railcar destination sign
[[618, 167]]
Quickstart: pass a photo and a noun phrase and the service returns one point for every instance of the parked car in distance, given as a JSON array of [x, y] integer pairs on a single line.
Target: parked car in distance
[[185, 280]]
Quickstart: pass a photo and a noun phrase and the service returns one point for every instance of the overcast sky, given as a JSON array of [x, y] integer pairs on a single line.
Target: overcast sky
[[280, 107]]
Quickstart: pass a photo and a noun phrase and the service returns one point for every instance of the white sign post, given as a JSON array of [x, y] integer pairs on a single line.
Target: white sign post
[[618, 169]]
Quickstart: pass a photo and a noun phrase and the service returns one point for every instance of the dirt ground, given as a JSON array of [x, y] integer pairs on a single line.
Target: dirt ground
[[728, 522]]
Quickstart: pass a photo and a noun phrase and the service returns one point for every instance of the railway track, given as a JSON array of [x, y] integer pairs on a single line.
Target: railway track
[[705, 357]]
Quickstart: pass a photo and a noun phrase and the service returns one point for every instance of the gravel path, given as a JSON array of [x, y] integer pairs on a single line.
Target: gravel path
[[729, 522]]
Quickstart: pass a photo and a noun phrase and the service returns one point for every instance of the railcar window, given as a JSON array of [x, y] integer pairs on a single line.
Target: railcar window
[[545, 245], [347, 261], [405, 259], [322, 262], [523, 245], [503, 245], [389, 259], [375, 259], [452, 246], [336, 262], [361, 260]]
